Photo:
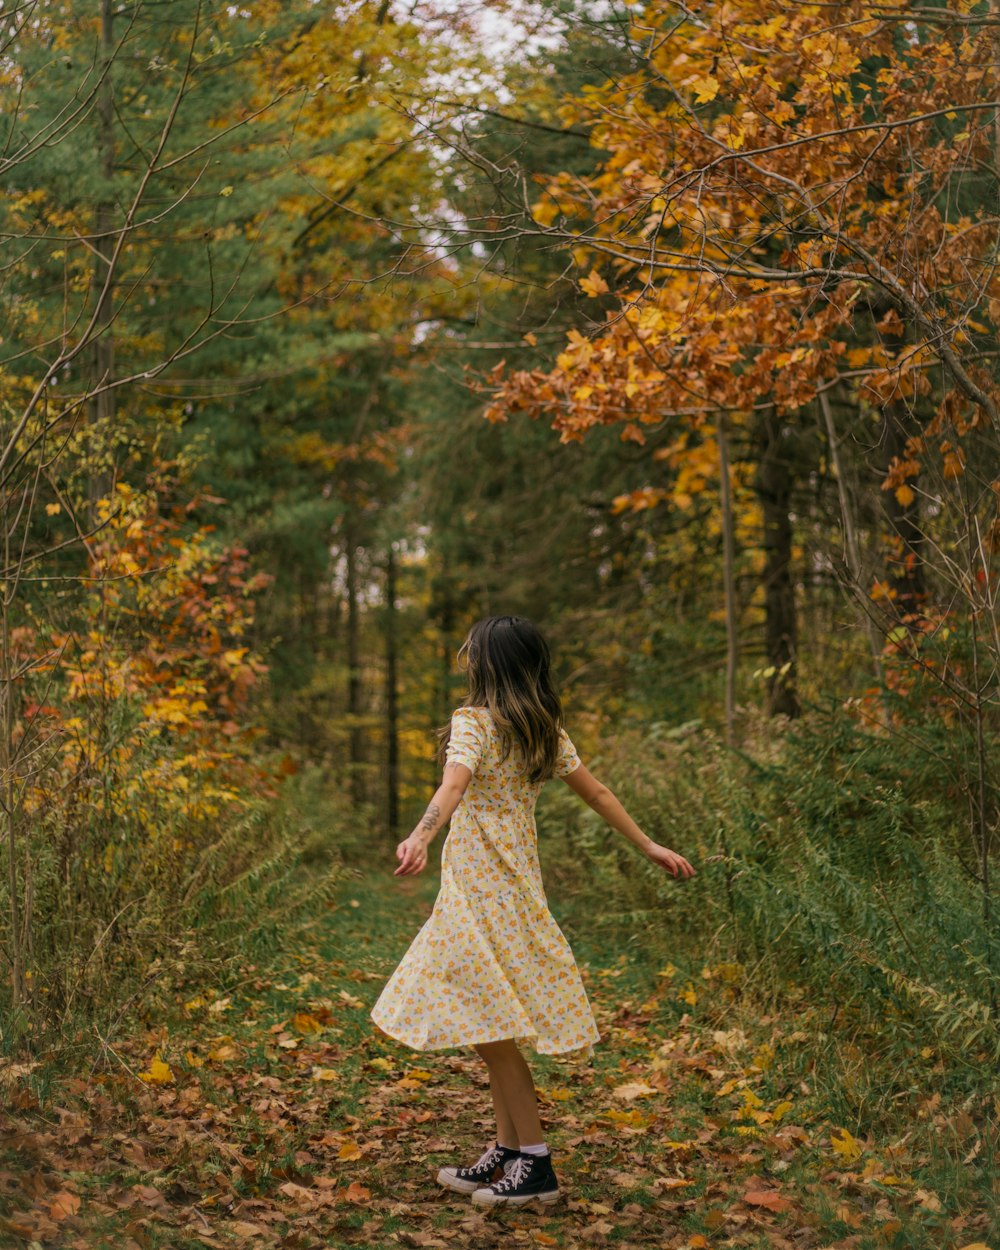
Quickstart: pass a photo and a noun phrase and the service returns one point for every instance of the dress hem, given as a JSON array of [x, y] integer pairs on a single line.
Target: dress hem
[[530, 1039]]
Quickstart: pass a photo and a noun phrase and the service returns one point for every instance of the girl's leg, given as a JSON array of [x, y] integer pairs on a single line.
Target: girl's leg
[[513, 1090], [506, 1133]]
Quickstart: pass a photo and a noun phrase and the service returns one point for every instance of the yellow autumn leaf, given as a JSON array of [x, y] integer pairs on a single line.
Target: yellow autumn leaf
[[349, 1150], [323, 1074], [544, 212], [159, 1073], [383, 1065], [705, 88], [302, 1022], [846, 1145], [593, 285], [53, 509], [904, 495]]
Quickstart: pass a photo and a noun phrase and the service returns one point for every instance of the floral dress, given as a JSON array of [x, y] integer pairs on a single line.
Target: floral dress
[[490, 962]]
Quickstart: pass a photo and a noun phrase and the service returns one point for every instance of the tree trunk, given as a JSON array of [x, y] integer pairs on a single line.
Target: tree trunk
[[852, 548], [8, 789], [774, 489], [391, 695], [354, 692], [728, 574], [103, 403]]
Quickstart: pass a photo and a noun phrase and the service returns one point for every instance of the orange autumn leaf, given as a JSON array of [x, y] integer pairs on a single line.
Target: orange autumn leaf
[[769, 1198], [63, 1205]]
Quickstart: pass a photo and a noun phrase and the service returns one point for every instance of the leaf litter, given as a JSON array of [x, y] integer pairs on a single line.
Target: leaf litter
[[280, 1117]]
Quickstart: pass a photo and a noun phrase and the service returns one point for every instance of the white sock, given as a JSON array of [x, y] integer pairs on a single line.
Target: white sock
[[540, 1149]]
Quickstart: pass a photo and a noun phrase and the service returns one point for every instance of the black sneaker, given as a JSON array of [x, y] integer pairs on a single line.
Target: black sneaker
[[490, 1165], [529, 1178]]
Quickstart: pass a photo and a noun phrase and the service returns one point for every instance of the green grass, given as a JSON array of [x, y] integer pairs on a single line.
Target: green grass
[[262, 1104]]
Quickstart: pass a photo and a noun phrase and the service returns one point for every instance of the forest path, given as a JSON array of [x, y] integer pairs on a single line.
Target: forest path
[[277, 1116]]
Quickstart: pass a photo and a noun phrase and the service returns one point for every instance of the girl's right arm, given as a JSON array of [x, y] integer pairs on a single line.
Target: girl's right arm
[[604, 802]]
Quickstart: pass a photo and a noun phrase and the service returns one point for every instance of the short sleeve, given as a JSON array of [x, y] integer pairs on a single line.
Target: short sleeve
[[467, 742], [567, 760]]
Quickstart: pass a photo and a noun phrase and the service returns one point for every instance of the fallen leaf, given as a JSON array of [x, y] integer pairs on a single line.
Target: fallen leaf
[[302, 1022], [298, 1193], [769, 1198], [223, 1053], [159, 1073], [846, 1144], [63, 1205], [634, 1089]]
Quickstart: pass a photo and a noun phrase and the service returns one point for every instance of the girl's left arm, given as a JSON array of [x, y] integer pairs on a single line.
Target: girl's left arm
[[412, 851]]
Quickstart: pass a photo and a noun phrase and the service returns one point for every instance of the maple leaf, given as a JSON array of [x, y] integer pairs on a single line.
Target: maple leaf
[[705, 88], [159, 1073], [594, 285], [845, 1144]]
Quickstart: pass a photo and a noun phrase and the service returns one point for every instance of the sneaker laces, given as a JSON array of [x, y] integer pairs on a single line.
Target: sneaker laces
[[492, 1154], [516, 1173]]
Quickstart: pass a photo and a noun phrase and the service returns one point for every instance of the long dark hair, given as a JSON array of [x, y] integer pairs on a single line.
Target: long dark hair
[[508, 666]]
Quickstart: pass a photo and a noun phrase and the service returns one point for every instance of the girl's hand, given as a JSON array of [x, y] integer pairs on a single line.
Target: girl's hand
[[412, 856], [675, 864]]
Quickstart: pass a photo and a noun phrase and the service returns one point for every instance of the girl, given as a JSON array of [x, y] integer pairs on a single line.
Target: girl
[[491, 968]]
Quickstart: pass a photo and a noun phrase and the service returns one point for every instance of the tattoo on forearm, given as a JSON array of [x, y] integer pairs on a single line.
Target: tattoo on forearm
[[431, 817]]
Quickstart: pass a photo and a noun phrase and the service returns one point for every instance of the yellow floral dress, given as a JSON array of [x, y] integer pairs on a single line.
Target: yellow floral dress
[[490, 962]]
